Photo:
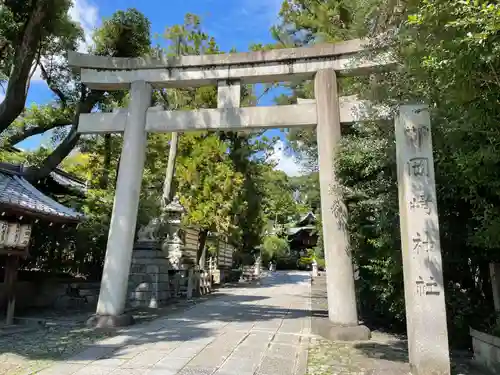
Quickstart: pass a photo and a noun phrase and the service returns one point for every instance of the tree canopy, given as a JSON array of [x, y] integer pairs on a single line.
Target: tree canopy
[[223, 179], [448, 57], [126, 34]]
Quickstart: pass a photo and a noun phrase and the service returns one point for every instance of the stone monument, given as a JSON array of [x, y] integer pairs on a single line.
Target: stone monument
[[148, 284], [158, 250], [422, 262]]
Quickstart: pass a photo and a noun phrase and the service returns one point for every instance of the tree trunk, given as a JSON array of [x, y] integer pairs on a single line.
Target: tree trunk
[[21, 136], [486, 282], [202, 240], [117, 170], [55, 158], [170, 172], [104, 180], [172, 154], [67, 145], [26, 52]]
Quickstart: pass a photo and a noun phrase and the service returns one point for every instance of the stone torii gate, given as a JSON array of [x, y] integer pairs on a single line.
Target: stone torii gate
[[423, 279]]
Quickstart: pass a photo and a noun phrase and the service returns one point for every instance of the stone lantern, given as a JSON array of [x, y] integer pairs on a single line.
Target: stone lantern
[[173, 243], [314, 265]]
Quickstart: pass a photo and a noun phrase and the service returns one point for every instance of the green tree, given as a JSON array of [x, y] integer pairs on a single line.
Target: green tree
[[124, 34], [278, 201], [207, 162], [208, 184], [31, 33], [186, 39], [273, 248], [449, 59], [308, 188]]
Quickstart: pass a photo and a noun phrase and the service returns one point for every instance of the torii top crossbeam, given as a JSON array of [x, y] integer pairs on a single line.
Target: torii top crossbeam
[[280, 65]]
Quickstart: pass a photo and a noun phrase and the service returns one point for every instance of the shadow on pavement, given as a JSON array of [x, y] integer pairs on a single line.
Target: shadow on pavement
[[192, 322], [390, 351]]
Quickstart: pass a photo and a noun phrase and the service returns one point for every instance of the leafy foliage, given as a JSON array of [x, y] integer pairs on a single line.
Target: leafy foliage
[[222, 178], [208, 184], [32, 33], [126, 33], [448, 58], [273, 248], [310, 258]]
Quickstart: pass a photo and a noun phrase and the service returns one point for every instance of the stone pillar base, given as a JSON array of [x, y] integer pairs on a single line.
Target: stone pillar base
[[110, 321], [334, 332]]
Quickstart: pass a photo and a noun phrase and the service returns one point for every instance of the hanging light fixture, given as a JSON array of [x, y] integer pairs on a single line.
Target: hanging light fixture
[[14, 235]]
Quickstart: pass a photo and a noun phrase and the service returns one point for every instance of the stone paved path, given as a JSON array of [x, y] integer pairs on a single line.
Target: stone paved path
[[261, 329]]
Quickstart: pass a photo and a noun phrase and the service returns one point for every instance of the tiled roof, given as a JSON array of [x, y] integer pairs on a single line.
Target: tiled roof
[[292, 231], [68, 181], [310, 216], [59, 176], [15, 191]]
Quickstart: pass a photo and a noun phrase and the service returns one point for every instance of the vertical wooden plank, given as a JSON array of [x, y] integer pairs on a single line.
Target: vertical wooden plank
[[11, 266]]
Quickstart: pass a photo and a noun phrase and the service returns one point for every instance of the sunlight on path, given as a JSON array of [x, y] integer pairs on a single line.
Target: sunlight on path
[[255, 329]]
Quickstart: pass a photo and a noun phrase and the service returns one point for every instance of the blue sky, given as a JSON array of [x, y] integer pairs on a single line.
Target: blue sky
[[233, 23]]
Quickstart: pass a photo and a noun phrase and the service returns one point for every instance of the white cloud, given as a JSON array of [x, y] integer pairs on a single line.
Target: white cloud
[[284, 160], [37, 76], [86, 14]]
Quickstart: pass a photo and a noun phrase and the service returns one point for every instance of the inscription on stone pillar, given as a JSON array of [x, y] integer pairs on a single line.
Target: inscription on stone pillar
[[424, 285], [420, 202]]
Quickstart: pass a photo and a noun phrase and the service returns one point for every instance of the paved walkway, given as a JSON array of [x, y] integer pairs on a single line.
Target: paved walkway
[[262, 330]]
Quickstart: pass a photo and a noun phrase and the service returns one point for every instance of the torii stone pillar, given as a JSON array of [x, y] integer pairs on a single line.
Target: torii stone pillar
[[111, 305], [422, 262], [342, 307], [106, 73]]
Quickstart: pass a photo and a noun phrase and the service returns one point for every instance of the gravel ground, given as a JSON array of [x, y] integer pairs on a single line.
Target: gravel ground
[[384, 354], [63, 336], [31, 351]]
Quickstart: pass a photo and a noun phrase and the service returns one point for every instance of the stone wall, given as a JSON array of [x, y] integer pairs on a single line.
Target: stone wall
[[51, 294], [149, 281], [486, 350], [156, 276], [153, 280]]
